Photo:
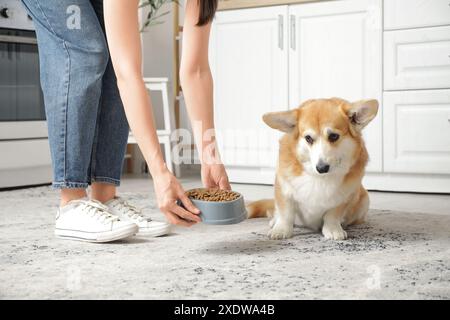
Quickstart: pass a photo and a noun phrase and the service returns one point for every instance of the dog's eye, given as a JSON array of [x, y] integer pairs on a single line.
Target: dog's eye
[[309, 139], [333, 137]]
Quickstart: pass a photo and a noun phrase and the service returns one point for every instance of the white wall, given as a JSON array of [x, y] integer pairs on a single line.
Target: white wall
[[157, 55], [157, 47]]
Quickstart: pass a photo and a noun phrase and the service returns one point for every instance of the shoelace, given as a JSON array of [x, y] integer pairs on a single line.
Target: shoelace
[[97, 210], [131, 211]]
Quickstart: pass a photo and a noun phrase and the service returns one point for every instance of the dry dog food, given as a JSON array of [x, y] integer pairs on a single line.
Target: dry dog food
[[212, 195]]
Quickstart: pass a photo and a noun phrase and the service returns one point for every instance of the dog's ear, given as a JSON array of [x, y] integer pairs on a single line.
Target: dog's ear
[[360, 113], [284, 121]]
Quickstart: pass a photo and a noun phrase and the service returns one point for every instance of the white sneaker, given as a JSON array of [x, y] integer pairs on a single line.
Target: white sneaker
[[127, 212], [91, 221]]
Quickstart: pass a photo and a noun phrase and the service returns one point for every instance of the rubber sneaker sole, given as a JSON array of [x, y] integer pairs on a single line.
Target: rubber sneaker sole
[[155, 231], [97, 237]]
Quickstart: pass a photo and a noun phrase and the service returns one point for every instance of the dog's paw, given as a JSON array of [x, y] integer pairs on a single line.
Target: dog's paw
[[280, 231], [334, 232], [272, 222]]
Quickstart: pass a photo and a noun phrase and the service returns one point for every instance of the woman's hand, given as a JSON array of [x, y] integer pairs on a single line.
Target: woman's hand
[[215, 176], [168, 190]]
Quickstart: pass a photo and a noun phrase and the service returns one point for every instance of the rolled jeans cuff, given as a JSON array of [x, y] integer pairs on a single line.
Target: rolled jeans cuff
[[108, 180], [69, 185]]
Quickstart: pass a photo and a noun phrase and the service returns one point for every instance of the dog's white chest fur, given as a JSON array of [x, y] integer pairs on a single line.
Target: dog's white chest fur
[[312, 196]]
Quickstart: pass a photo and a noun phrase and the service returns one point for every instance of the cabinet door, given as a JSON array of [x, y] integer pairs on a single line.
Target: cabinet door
[[335, 50], [249, 60], [401, 14], [417, 131], [417, 59]]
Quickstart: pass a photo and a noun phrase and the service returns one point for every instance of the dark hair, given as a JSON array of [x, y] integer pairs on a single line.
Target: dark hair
[[207, 10]]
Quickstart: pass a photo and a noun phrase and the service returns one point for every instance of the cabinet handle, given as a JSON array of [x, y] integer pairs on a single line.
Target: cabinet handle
[[293, 30], [280, 31]]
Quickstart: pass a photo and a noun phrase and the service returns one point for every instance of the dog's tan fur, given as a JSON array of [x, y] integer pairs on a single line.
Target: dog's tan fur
[[350, 203]]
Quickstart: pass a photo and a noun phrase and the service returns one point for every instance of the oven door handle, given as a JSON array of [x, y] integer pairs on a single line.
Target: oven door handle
[[18, 39]]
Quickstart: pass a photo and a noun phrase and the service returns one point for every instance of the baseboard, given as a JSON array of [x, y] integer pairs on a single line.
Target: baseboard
[[424, 183]]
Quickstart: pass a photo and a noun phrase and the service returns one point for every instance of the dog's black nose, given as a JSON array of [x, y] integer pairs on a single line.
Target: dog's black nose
[[322, 167]]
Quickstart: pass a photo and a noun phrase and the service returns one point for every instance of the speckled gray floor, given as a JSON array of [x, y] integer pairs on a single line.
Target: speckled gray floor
[[395, 255]]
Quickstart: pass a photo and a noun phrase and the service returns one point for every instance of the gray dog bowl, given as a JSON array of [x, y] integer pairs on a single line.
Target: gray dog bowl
[[221, 212]]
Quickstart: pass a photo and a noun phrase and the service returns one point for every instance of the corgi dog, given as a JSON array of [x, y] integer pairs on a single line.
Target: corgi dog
[[322, 158]]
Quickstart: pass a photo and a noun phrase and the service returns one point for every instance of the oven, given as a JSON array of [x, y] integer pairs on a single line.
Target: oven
[[24, 150]]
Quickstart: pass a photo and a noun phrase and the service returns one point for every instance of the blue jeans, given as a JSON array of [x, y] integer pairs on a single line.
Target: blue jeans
[[87, 127]]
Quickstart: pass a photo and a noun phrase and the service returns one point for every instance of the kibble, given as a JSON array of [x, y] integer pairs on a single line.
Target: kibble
[[212, 194]]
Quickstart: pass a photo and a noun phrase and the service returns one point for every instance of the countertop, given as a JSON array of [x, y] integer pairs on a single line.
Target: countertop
[[238, 4]]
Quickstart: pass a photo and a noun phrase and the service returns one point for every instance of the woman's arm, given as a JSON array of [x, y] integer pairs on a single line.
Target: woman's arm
[[122, 31], [197, 84]]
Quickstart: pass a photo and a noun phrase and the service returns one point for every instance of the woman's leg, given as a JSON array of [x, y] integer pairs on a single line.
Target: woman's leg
[[73, 58], [69, 194], [111, 133]]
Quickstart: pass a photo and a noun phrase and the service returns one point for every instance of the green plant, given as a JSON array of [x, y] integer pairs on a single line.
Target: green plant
[[153, 16]]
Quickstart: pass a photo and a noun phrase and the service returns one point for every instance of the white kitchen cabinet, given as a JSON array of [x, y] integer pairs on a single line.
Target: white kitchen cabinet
[[274, 58], [416, 134], [25, 162], [401, 14], [249, 62], [417, 59], [417, 131], [335, 51], [250, 52]]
